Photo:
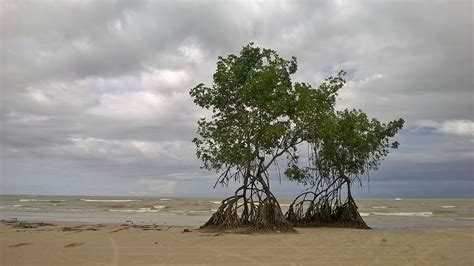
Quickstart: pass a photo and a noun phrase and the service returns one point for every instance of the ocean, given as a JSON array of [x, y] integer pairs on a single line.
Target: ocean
[[378, 213]]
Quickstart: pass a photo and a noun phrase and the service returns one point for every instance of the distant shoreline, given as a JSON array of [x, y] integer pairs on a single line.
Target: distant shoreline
[[213, 197]]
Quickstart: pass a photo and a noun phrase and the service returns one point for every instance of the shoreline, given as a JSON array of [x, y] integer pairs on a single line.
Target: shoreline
[[71, 243], [196, 226], [375, 222]]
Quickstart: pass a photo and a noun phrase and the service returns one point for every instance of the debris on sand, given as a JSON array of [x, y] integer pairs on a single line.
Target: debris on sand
[[19, 245], [11, 221], [31, 225], [72, 229], [24, 225], [144, 227], [79, 228], [120, 229], [74, 244]]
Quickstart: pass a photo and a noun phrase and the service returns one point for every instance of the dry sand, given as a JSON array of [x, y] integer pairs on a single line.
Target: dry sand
[[85, 244]]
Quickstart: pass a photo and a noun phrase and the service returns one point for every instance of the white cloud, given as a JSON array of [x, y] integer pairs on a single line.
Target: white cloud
[[94, 148], [165, 79], [26, 118], [161, 187], [114, 150], [192, 51], [82, 45], [139, 105], [80, 93], [457, 127], [294, 34], [148, 149], [353, 92]]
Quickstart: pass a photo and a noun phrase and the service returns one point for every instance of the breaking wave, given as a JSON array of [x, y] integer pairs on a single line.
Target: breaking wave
[[411, 214], [139, 210], [41, 200], [108, 200], [198, 211]]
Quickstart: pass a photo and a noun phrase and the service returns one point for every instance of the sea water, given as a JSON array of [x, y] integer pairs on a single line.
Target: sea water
[[378, 213]]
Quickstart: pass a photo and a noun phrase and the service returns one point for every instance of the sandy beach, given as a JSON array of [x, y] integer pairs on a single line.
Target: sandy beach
[[126, 244]]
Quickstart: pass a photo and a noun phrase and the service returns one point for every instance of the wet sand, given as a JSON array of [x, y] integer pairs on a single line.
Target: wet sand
[[90, 244]]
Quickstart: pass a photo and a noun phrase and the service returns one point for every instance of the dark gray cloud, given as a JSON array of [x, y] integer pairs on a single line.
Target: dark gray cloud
[[95, 93]]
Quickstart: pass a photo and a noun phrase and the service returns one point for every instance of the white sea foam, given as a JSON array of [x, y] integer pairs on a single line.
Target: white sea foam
[[284, 205], [77, 210], [398, 198], [210, 201], [158, 207], [29, 209], [17, 206], [364, 214], [198, 211], [108, 200], [412, 214], [213, 210], [41, 200], [380, 207], [139, 210], [448, 207], [165, 199]]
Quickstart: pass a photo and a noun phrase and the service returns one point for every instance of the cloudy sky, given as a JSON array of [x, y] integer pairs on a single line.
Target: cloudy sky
[[94, 94]]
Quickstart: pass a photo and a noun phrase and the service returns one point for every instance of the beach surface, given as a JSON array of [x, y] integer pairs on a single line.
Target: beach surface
[[68, 243]]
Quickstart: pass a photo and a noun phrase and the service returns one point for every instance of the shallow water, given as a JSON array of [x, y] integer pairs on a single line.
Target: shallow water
[[378, 213]]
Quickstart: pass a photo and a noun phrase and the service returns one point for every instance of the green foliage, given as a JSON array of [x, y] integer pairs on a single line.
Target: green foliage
[[259, 113], [344, 144]]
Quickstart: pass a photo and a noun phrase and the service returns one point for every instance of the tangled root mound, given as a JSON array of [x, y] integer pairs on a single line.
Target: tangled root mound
[[234, 216], [324, 213]]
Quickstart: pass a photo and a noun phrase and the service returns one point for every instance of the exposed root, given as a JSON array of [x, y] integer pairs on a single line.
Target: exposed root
[[270, 218], [226, 215], [347, 215], [253, 208], [263, 216], [325, 208]]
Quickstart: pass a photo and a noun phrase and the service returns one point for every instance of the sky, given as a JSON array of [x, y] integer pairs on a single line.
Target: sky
[[94, 93]]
